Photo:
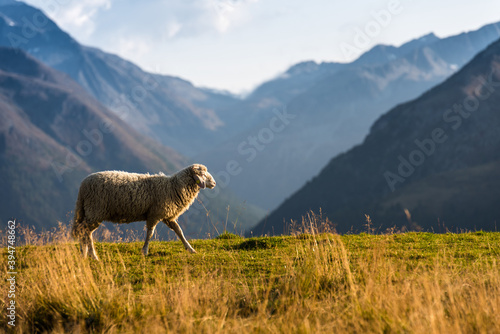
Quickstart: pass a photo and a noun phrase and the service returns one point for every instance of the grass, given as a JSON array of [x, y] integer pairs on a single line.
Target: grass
[[308, 283]]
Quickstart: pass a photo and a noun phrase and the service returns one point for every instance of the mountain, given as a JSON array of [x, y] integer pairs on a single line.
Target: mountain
[[53, 133], [437, 156], [331, 108], [266, 146], [303, 76], [168, 109]]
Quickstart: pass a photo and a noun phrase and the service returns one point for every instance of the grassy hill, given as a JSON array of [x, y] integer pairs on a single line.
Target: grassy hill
[[307, 283]]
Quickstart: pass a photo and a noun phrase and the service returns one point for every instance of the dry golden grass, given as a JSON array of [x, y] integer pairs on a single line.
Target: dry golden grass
[[308, 283]]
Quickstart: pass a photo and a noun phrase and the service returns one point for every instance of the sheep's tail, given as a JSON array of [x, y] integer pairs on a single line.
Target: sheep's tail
[[79, 218]]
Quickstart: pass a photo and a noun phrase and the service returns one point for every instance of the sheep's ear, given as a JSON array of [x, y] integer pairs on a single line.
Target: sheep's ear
[[200, 167]]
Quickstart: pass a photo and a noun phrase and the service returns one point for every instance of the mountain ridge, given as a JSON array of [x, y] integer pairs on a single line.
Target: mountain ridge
[[455, 184], [53, 133], [333, 113], [151, 103]]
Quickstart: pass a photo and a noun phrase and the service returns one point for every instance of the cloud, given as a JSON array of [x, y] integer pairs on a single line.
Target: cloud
[[192, 18], [74, 15], [133, 47], [167, 19], [81, 12], [173, 28], [225, 12], [228, 13]]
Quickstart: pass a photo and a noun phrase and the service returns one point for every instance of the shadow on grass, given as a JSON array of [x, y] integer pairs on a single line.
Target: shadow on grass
[[259, 243]]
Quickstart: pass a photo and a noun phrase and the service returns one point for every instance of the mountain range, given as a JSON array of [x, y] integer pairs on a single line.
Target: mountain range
[[161, 107], [262, 148], [53, 133], [432, 163], [334, 104], [332, 107]]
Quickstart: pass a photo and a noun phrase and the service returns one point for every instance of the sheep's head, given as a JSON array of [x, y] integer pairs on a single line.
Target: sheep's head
[[202, 177]]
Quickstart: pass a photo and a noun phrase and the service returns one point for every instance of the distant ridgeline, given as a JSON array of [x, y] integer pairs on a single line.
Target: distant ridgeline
[[432, 163]]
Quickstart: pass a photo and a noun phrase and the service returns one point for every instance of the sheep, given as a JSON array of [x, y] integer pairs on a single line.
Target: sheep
[[122, 197]]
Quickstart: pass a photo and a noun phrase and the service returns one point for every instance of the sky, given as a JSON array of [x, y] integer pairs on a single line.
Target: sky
[[234, 45]]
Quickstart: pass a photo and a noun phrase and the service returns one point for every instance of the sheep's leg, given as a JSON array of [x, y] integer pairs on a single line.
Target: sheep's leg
[[92, 248], [88, 241], [79, 232], [177, 229], [84, 247], [150, 225]]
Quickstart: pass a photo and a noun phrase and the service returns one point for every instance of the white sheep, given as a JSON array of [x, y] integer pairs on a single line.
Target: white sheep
[[122, 197]]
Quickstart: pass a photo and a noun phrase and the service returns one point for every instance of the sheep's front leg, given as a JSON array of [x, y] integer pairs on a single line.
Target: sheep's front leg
[[89, 240], [91, 246], [150, 225], [177, 229]]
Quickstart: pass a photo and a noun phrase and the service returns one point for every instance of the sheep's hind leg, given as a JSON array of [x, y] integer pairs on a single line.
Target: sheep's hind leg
[[80, 233], [150, 225], [84, 246], [177, 229]]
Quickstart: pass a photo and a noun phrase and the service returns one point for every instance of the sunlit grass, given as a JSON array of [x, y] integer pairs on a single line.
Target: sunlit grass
[[410, 282]]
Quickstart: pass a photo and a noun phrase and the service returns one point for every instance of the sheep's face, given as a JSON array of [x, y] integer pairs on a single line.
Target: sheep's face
[[202, 177]]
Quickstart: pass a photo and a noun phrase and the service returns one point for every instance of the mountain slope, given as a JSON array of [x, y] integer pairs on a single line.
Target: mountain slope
[[165, 108], [437, 156], [44, 151], [332, 107], [53, 133]]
